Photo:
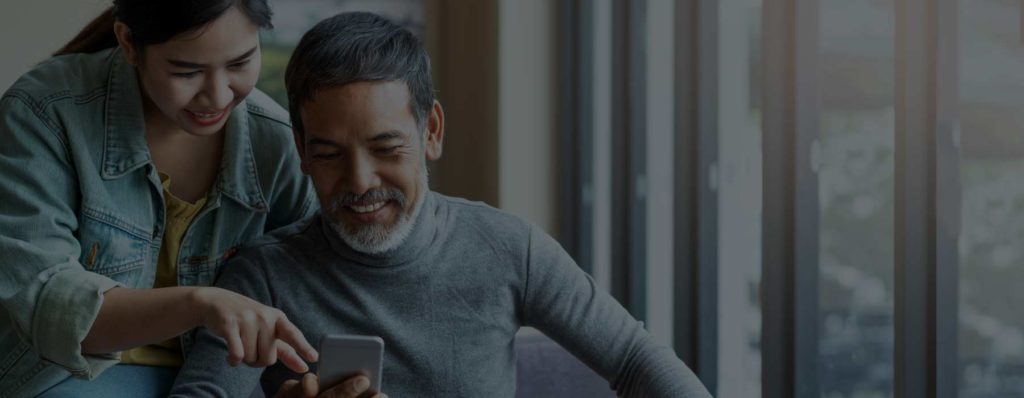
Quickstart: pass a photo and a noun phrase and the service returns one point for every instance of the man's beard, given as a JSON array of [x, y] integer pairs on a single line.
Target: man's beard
[[377, 238]]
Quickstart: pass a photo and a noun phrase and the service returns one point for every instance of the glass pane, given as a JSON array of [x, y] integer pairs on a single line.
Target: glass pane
[[856, 198], [991, 334], [739, 254]]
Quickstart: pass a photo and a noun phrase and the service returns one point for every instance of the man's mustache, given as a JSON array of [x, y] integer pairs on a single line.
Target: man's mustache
[[371, 196]]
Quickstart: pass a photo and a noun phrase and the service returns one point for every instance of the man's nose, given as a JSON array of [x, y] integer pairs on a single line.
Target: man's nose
[[362, 175]]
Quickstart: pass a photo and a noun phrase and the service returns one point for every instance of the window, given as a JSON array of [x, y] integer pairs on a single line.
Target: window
[[739, 199], [867, 154], [991, 335], [855, 197]]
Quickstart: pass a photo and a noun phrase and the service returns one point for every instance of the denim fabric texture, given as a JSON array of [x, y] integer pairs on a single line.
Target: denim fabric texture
[[82, 208], [119, 381]]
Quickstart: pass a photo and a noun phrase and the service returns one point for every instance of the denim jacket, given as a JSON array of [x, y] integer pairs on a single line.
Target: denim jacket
[[82, 208]]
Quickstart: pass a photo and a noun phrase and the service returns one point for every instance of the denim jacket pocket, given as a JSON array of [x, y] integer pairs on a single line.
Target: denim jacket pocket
[[112, 247], [200, 271]]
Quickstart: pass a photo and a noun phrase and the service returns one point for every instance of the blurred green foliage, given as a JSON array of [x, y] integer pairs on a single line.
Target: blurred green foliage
[[275, 60]]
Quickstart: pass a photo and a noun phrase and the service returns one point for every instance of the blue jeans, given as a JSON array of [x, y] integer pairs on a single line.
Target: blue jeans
[[118, 381]]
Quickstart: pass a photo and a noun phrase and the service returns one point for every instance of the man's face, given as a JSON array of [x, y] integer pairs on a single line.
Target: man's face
[[367, 158]]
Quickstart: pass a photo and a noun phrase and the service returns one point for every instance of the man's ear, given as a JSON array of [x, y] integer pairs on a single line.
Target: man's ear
[[435, 132], [300, 146], [125, 42]]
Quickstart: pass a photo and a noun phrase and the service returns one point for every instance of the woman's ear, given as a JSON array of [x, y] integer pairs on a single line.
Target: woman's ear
[[124, 41], [435, 132]]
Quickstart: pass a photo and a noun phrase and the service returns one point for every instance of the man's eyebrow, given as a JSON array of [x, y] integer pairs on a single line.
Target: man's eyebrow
[[321, 141], [387, 136], [193, 65]]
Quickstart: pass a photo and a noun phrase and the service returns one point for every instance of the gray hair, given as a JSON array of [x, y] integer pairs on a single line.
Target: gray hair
[[358, 47]]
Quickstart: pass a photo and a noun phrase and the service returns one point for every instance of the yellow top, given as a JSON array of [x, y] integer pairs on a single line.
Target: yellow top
[[179, 215]]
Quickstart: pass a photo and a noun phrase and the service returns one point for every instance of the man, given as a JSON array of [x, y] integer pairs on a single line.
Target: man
[[445, 282]]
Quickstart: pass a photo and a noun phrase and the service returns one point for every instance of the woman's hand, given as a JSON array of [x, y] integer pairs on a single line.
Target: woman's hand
[[357, 386], [256, 334]]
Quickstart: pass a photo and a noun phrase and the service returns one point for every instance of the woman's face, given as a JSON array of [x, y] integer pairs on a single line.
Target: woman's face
[[192, 81]]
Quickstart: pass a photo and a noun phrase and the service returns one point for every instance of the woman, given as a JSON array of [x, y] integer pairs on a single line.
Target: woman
[[132, 165]]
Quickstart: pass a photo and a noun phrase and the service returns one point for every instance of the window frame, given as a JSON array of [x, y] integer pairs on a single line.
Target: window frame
[[790, 225], [927, 206], [695, 193]]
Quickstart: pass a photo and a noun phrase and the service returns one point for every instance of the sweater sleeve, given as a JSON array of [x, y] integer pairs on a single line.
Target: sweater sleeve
[[206, 372], [563, 302]]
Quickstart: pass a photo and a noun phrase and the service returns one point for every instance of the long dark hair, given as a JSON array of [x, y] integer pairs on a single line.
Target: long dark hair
[[157, 21]]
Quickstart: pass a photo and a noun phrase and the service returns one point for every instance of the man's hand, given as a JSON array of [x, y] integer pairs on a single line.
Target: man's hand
[[354, 387], [255, 334]]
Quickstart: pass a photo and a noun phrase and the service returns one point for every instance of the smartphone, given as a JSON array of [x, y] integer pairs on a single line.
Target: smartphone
[[344, 356]]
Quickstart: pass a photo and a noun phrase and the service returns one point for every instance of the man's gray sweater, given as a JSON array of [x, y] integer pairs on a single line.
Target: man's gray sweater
[[447, 303]]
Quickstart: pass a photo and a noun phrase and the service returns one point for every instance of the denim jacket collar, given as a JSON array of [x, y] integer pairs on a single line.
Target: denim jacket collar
[[124, 144], [125, 147]]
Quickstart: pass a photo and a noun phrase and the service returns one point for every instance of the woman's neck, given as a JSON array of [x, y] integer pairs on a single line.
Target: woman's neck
[[191, 161]]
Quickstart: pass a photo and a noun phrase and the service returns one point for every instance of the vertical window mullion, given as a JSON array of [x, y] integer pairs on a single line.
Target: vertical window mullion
[[601, 123], [948, 198], [620, 126], [696, 201], [790, 203], [628, 144], [576, 132], [927, 199], [637, 108]]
